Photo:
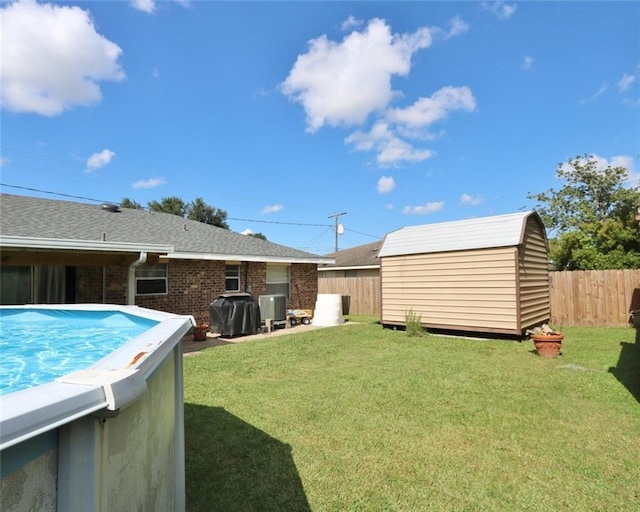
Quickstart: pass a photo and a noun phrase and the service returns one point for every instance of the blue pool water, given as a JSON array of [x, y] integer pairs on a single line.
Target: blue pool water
[[40, 345]]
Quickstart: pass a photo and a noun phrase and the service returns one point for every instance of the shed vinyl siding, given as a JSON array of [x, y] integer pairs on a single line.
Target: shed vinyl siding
[[465, 290], [534, 277]]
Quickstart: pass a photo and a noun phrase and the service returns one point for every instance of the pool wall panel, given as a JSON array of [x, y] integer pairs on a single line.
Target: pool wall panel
[[140, 451], [32, 486]]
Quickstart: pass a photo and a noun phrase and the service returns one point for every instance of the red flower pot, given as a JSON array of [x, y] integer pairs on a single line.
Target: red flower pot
[[200, 332], [547, 345]]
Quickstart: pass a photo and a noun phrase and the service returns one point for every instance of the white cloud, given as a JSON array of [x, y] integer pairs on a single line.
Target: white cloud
[[149, 183], [147, 6], [457, 26], [350, 22], [260, 93], [389, 148], [396, 150], [271, 209], [527, 62], [386, 184], [502, 10], [625, 82], [343, 83], [427, 111], [424, 209], [52, 58], [348, 83], [389, 206], [603, 88], [471, 200], [246, 232], [633, 177], [622, 161], [98, 160], [418, 133]]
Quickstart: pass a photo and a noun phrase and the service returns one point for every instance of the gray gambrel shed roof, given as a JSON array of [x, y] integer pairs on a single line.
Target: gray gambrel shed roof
[[46, 223], [479, 233]]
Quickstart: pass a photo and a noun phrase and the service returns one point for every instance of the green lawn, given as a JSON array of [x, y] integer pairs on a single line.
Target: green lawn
[[361, 418]]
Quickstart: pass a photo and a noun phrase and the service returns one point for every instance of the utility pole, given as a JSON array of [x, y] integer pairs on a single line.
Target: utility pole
[[335, 216]]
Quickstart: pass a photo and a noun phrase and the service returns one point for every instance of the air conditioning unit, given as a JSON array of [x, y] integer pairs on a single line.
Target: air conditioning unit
[[273, 306]]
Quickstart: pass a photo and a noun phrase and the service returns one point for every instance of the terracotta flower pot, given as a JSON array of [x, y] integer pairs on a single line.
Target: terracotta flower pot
[[200, 332], [547, 345]]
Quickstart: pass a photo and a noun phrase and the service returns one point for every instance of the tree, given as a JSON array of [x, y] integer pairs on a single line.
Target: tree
[[592, 217], [202, 212], [130, 203], [173, 205], [196, 210], [258, 235]]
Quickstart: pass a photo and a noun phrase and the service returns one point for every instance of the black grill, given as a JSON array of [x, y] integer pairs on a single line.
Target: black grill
[[234, 314]]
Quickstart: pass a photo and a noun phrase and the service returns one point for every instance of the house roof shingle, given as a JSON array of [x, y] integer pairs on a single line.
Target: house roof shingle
[[357, 257], [32, 217]]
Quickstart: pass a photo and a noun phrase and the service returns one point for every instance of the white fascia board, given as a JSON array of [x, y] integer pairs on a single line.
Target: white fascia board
[[247, 257], [23, 242], [353, 267]]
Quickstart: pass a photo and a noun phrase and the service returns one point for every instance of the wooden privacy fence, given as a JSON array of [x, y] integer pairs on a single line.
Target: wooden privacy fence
[[363, 292], [590, 298], [594, 298]]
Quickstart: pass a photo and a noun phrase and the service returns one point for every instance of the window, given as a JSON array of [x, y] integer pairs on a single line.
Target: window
[[278, 280], [36, 284], [232, 278], [15, 284], [151, 280]]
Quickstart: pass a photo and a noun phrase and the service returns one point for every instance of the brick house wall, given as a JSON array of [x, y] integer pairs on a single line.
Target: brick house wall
[[253, 278], [304, 286], [193, 285], [89, 285]]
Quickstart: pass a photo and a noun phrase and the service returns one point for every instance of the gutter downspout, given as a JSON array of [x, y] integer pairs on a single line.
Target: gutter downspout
[[131, 278]]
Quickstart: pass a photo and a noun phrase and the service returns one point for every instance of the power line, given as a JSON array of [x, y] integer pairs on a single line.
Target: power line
[[278, 222], [316, 238], [31, 189], [364, 234], [57, 193], [124, 172], [71, 196]]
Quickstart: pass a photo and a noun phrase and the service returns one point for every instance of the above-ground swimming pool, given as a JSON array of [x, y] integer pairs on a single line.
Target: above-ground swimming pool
[[38, 346], [91, 412]]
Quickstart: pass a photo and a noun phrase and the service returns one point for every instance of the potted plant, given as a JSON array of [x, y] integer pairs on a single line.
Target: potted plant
[[546, 340], [200, 332]]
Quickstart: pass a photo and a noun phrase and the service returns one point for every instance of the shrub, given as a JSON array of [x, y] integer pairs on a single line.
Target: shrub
[[413, 322]]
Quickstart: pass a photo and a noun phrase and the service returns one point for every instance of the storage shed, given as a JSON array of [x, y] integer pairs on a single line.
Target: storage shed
[[485, 275]]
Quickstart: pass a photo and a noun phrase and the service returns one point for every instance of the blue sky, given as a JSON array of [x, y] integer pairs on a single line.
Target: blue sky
[[286, 113]]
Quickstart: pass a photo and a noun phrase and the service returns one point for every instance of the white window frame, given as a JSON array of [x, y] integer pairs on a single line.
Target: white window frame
[[276, 277], [148, 269], [229, 269]]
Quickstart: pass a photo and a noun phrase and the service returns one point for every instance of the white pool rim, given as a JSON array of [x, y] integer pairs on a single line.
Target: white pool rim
[[110, 384]]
